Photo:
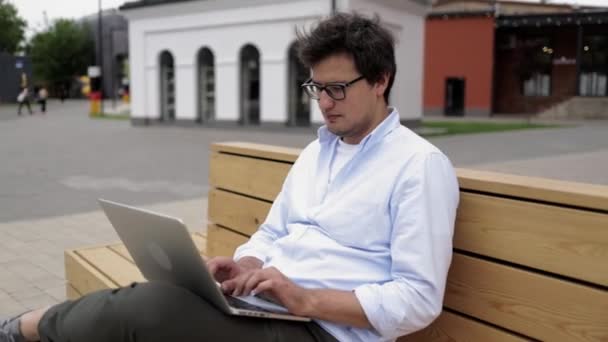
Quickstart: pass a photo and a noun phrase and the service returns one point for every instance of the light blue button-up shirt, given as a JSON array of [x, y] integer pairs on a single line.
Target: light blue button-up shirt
[[382, 228]]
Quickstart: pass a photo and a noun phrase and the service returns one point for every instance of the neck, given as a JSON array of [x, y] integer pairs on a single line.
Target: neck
[[381, 113]]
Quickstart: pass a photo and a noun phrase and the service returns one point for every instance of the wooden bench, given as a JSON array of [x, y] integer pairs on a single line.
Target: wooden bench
[[530, 255]]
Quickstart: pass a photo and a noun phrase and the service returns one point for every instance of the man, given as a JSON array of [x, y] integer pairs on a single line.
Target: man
[[24, 100], [43, 94], [359, 238]]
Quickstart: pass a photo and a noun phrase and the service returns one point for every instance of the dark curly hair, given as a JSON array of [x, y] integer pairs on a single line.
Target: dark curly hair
[[370, 44]]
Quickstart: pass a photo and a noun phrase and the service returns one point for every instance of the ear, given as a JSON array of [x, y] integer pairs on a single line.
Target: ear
[[381, 85]]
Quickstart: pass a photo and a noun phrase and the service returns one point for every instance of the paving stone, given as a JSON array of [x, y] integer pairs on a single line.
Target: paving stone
[[10, 307], [38, 301], [57, 293]]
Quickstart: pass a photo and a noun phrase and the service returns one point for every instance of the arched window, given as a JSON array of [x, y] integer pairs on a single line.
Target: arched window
[[167, 86], [250, 85], [298, 102], [206, 85]]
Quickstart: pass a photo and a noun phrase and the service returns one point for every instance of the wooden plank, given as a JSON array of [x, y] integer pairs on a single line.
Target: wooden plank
[[240, 213], [112, 265], [565, 241], [258, 150], [254, 177], [532, 304], [222, 242], [450, 327], [83, 276], [541, 189], [71, 293]]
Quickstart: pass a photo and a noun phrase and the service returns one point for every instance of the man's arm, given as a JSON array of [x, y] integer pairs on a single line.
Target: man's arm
[[250, 263], [336, 306], [324, 304]]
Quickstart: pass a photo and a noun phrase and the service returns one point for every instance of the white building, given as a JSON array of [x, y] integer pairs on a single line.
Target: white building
[[209, 61]]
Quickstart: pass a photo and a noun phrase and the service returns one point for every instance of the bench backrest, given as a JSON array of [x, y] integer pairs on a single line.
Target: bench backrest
[[530, 254]]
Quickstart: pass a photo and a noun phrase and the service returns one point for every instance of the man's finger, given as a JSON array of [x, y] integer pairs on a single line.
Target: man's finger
[[252, 282], [240, 283], [266, 285], [228, 286]]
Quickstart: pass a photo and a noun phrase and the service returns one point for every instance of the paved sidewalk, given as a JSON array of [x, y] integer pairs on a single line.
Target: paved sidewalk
[[31, 252]]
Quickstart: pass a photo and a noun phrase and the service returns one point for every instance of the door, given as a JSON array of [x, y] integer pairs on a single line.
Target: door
[[454, 96]]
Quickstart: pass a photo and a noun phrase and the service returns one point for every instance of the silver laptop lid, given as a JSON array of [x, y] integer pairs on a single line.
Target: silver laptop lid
[[163, 250]]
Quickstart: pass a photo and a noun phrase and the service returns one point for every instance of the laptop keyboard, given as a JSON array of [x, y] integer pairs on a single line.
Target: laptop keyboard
[[241, 304]]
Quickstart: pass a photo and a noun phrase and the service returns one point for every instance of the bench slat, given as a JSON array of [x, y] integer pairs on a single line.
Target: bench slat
[[535, 305], [565, 241], [113, 265], [254, 177], [71, 293], [541, 189], [223, 242], [258, 150], [450, 327], [83, 276], [240, 213]]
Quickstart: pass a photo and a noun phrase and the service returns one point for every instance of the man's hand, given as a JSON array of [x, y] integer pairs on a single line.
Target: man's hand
[[247, 277], [225, 268], [272, 283]]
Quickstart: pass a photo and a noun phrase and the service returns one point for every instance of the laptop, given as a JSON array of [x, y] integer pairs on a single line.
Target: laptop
[[163, 250]]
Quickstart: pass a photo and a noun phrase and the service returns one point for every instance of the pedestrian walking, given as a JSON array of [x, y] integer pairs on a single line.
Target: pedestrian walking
[[43, 94], [24, 99], [63, 93]]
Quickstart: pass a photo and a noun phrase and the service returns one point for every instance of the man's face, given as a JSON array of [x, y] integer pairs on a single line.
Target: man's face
[[360, 111]]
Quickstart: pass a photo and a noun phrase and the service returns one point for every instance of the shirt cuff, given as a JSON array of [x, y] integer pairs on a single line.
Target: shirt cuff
[[246, 251], [372, 309]]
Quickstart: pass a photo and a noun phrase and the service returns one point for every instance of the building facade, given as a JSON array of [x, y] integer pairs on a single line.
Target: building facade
[[508, 57], [544, 60], [16, 73], [234, 61], [458, 67]]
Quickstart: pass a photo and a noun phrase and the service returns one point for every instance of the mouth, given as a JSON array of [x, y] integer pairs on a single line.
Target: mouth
[[332, 117]]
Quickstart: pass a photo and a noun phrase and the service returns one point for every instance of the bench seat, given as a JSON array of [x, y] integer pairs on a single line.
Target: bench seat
[[530, 254]]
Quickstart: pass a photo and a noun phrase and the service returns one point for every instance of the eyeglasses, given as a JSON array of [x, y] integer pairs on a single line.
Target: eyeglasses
[[335, 90]]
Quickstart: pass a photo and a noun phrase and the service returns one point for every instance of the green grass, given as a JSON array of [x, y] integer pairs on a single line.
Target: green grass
[[452, 127]]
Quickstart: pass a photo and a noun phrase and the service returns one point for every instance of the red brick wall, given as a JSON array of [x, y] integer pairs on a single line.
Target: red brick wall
[[459, 47]]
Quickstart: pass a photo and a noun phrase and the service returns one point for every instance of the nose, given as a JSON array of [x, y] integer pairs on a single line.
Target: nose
[[325, 102]]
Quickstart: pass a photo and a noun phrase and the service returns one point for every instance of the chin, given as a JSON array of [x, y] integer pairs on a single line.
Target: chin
[[336, 131]]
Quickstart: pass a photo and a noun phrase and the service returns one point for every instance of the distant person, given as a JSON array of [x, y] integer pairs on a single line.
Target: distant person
[[43, 94], [63, 93], [24, 99]]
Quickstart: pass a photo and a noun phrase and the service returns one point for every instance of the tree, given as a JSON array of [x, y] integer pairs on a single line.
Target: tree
[[62, 52], [12, 28]]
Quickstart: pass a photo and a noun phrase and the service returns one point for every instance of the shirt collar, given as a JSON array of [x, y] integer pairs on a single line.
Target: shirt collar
[[391, 122]]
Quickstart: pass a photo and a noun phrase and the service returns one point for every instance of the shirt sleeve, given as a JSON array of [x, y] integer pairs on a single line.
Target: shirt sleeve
[[422, 210], [273, 228]]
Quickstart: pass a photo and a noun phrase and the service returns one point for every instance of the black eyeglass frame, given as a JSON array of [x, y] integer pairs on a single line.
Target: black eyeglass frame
[[340, 85]]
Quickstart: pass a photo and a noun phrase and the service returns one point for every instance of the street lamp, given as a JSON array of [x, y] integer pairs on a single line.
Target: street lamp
[[112, 60], [100, 55]]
